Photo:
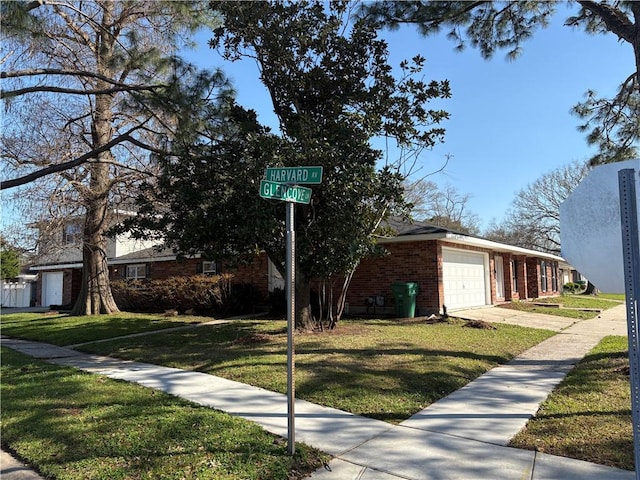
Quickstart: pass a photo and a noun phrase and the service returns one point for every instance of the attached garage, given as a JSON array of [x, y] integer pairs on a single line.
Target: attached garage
[[465, 278]]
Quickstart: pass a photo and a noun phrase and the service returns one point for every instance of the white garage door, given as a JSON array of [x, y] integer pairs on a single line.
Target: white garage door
[[463, 278], [52, 288]]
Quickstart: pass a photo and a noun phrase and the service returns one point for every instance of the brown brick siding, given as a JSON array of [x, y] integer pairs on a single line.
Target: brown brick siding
[[255, 273], [419, 262], [407, 262]]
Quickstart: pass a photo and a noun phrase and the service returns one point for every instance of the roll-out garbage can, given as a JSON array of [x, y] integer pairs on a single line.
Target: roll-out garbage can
[[405, 294]]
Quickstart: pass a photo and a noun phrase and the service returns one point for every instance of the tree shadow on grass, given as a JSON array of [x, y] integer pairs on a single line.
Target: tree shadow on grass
[[69, 423]]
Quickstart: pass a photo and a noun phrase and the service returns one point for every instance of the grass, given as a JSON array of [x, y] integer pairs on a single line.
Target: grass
[[571, 305], [588, 416], [67, 330], [72, 425], [580, 301], [620, 297], [381, 369]]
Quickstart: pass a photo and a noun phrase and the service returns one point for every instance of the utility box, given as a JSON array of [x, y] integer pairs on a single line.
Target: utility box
[[405, 296]]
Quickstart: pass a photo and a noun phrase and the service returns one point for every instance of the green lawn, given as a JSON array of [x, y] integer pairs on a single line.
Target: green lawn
[[63, 329], [588, 416], [385, 369], [620, 297], [71, 425], [581, 301], [571, 305], [379, 368]]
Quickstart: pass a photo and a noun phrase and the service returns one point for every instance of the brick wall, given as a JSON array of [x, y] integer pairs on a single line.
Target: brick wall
[[255, 273], [551, 291], [508, 276], [533, 278], [421, 262], [76, 284], [407, 262], [71, 279], [521, 276]]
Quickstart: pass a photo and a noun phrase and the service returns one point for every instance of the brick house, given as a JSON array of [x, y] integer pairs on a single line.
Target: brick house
[[149, 263], [453, 271]]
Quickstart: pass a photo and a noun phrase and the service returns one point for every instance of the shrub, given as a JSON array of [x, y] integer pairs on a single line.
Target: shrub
[[242, 298], [277, 302], [200, 293], [571, 287]]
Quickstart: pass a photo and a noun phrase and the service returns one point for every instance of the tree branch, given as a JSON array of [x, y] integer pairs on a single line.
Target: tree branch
[[57, 71], [445, 18], [614, 19], [33, 5], [74, 91], [126, 137]]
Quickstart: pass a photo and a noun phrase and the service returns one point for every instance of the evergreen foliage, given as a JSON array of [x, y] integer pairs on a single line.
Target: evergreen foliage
[[333, 91], [9, 263], [611, 124]]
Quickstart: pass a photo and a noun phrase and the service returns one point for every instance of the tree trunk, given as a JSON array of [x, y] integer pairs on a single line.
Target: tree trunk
[[304, 318], [95, 294]]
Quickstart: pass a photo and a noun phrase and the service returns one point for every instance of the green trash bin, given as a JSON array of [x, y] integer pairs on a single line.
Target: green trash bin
[[405, 295]]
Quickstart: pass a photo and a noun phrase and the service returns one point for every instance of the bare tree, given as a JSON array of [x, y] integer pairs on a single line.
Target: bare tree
[[88, 89], [533, 220], [443, 207]]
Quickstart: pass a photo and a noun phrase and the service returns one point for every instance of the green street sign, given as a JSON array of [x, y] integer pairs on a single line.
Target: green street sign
[[294, 175], [279, 191]]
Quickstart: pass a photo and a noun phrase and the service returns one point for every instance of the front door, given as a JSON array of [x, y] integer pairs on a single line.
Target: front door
[[499, 277]]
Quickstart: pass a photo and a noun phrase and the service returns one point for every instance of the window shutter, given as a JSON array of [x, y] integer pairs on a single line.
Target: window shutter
[[218, 268], [147, 273], [199, 267], [123, 272]]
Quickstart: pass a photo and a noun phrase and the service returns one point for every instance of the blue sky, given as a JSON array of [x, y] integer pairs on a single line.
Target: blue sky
[[510, 120]]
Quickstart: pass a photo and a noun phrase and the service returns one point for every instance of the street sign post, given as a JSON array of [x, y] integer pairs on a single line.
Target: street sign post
[[294, 175], [280, 191], [631, 254], [599, 235], [283, 183]]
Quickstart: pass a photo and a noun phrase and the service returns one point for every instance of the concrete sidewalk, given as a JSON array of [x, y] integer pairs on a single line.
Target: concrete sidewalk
[[461, 437]]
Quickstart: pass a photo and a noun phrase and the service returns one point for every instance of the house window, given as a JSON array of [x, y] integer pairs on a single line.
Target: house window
[[543, 275], [136, 272], [554, 276], [72, 233], [209, 267], [514, 275]]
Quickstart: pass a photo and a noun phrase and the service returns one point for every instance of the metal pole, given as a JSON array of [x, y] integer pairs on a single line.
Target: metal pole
[[631, 256], [291, 317]]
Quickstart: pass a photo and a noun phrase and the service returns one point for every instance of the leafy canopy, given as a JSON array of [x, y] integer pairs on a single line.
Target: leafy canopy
[[333, 91]]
